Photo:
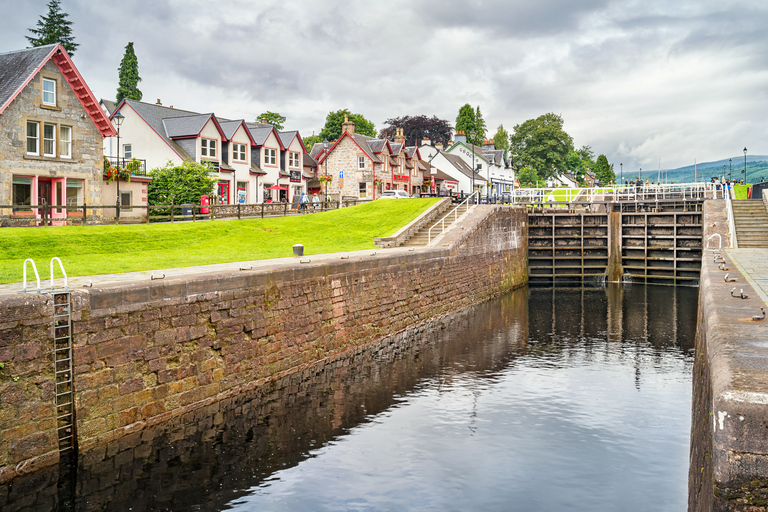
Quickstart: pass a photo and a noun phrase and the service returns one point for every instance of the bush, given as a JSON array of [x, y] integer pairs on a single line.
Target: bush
[[180, 184]]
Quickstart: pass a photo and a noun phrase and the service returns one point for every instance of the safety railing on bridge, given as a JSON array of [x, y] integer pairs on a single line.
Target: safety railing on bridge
[[470, 200], [562, 196]]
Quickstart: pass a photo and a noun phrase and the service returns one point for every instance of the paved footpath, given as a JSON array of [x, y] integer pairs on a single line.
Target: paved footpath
[[753, 264], [102, 280]]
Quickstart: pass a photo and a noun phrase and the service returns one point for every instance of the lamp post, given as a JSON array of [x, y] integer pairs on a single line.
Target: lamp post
[[745, 165], [325, 161], [723, 170], [730, 169], [621, 176], [118, 118], [472, 190]]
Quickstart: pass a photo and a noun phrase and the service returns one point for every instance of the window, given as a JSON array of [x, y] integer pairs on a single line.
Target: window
[[49, 139], [49, 92], [293, 159], [74, 192], [363, 190], [242, 192], [208, 148], [33, 138], [238, 152], [127, 151], [22, 190], [65, 135], [361, 162], [269, 156], [126, 199]]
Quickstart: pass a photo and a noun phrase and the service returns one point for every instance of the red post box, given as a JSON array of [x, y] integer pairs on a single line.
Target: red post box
[[204, 204]]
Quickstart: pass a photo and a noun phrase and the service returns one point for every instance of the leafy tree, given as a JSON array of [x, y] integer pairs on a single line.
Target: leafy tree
[[54, 28], [541, 143], [604, 170], [501, 139], [334, 120], [128, 86], [527, 177], [415, 128], [310, 141], [180, 184], [579, 162], [470, 120], [272, 118]]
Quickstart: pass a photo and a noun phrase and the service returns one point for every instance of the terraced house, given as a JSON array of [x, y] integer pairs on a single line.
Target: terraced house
[[362, 167], [51, 133], [253, 162]]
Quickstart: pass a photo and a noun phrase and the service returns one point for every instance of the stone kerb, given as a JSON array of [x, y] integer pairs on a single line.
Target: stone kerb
[[406, 232]]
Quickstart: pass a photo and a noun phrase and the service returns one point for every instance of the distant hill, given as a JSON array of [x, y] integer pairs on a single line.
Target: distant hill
[[757, 171]]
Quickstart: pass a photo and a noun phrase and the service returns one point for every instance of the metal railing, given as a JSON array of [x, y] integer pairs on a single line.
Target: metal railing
[[471, 199], [122, 163], [619, 193]]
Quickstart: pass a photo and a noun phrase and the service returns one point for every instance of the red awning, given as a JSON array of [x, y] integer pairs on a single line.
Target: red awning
[[277, 187]]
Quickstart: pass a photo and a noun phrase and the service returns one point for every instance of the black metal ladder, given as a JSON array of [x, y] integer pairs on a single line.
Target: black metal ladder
[[62, 356]]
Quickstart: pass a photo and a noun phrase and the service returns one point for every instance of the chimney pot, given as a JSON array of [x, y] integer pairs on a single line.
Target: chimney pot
[[158, 102]]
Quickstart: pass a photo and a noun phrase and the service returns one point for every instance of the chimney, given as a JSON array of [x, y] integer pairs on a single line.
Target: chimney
[[439, 146], [348, 126], [158, 102], [425, 141], [399, 137], [264, 120], [460, 137], [488, 144]]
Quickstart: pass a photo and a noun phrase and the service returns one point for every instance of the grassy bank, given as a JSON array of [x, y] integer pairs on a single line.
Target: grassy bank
[[89, 250]]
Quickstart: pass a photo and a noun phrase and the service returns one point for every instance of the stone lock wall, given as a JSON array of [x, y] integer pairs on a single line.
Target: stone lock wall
[[151, 351]]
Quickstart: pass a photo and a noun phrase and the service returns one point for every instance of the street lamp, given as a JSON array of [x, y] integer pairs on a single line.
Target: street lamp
[[472, 190], [745, 166], [621, 177], [118, 118], [325, 161], [730, 169]]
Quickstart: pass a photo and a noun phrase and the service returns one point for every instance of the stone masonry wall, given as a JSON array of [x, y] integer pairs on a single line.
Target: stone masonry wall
[[151, 351]]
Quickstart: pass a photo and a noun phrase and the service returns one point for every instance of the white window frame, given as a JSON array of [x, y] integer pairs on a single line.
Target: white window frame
[[65, 143], [52, 141], [270, 156], [78, 186], [52, 94], [36, 137], [127, 151], [361, 162], [208, 148], [293, 159], [238, 152]]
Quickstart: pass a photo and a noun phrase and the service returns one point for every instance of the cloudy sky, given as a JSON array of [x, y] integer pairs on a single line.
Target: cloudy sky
[[645, 82]]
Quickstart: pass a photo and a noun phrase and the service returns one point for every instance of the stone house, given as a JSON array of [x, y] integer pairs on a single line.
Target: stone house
[[52, 131], [248, 158], [361, 167]]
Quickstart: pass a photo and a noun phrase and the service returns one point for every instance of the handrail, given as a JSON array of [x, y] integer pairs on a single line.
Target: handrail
[[614, 193], [731, 221], [455, 216], [37, 276], [719, 238], [56, 258]]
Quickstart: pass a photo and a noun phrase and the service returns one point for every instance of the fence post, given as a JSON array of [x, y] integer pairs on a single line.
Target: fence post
[[85, 215], [194, 215], [45, 215], [262, 210], [211, 210], [285, 209], [171, 212], [238, 211], [147, 213]]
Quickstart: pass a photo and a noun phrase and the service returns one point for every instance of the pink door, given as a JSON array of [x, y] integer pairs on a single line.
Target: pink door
[[58, 198]]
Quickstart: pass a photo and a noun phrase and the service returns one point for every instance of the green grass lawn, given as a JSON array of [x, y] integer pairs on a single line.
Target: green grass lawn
[[740, 191], [89, 250]]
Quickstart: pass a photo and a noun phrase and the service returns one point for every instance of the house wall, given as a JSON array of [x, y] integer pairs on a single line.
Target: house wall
[[295, 147], [343, 159], [86, 163], [273, 171], [138, 189], [145, 143], [242, 169]]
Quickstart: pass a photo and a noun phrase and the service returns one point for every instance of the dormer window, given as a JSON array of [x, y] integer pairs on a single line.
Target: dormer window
[[49, 92], [238, 152], [270, 157], [293, 159], [208, 148]]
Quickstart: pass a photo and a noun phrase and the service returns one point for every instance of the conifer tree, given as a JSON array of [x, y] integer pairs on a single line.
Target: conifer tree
[[54, 28], [128, 86]]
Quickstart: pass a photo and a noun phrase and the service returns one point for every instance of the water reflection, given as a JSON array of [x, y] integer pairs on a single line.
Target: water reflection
[[544, 399]]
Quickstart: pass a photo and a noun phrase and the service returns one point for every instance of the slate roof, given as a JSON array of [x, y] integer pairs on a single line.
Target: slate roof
[[410, 151], [308, 160], [109, 105], [396, 148], [17, 67], [259, 132], [255, 169], [287, 137], [377, 145], [316, 150], [154, 115], [229, 127], [462, 166], [187, 126], [363, 141]]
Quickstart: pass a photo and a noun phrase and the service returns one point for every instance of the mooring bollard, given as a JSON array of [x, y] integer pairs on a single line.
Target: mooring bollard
[[298, 250]]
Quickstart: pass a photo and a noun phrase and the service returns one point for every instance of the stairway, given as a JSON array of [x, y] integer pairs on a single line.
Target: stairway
[[751, 220], [421, 237]]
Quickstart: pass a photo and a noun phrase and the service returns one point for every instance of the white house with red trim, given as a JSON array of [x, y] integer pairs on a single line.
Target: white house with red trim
[[248, 158], [53, 130]]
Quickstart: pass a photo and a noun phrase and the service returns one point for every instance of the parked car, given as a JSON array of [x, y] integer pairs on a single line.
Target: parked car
[[394, 194]]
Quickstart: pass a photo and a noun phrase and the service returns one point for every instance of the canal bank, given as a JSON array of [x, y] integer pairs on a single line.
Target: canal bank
[[149, 351], [729, 432]]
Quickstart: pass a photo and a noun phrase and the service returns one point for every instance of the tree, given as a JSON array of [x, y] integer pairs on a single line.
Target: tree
[[579, 162], [604, 170], [501, 139], [527, 177], [334, 120], [128, 85], [470, 120], [180, 184], [416, 128], [310, 141], [272, 118], [542, 144], [54, 28]]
